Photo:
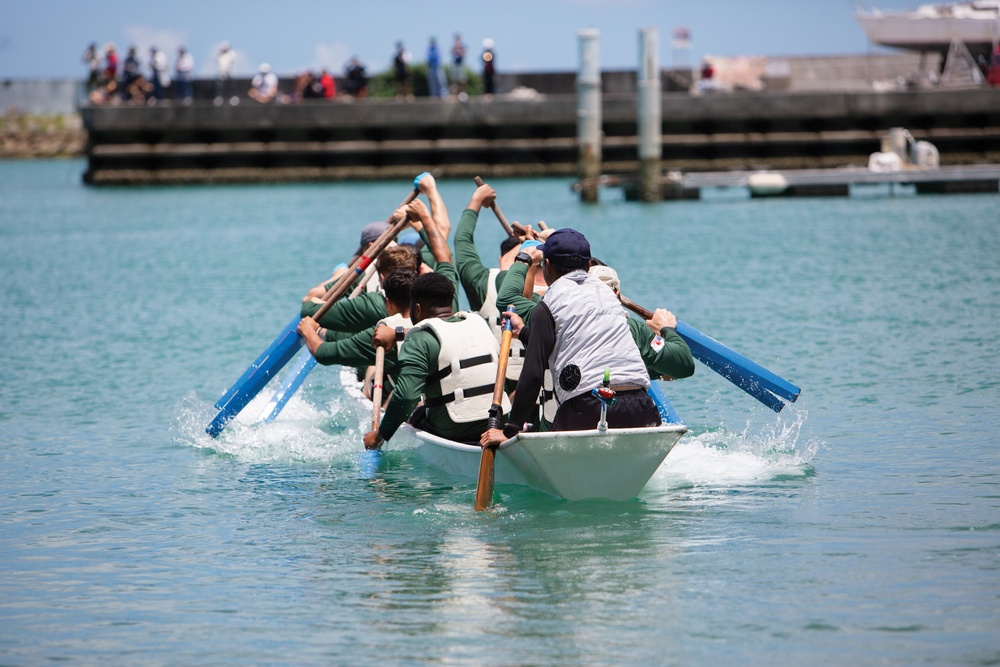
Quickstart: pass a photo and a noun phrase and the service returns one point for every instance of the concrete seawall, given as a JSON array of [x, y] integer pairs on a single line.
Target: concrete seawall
[[374, 139]]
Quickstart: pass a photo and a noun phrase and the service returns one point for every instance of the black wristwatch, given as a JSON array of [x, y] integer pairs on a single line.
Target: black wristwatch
[[523, 257], [400, 334]]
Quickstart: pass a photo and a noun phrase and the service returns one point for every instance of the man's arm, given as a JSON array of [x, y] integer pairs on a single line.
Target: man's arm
[[662, 349], [436, 241], [511, 292], [350, 315], [414, 367], [536, 358], [471, 271], [439, 212]]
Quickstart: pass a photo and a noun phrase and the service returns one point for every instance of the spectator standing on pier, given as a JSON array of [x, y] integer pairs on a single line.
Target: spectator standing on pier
[[264, 86], [459, 81], [93, 63], [184, 67], [160, 70], [401, 68], [131, 72], [225, 58], [489, 68], [329, 84], [110, 74], [357, 79], [434, 83]]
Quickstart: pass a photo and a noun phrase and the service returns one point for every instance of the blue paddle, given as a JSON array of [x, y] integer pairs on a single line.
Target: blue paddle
[[280, 352], [288, 387], [667, 412], [751, 377]]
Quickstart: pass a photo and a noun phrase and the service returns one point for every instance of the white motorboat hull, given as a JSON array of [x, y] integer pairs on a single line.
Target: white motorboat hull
[[933, 28]]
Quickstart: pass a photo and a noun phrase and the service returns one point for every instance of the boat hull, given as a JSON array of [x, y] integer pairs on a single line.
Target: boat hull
[[576, 465]]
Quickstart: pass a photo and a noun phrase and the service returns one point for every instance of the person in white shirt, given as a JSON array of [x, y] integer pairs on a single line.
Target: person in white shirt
[[264, 86], [224, 61]]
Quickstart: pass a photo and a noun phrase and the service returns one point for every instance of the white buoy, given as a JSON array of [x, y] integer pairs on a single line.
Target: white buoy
[[766, 183]]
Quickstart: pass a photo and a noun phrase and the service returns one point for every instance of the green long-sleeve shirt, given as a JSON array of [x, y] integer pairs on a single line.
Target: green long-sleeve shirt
[[355, 351], [417, 359], [511, 291], [472, 273], [350, 315]]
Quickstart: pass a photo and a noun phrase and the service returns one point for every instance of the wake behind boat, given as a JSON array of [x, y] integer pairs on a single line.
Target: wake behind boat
[[614, 464]]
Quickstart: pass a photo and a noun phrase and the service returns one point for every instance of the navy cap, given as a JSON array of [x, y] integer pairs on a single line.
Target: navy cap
[[567, 248]]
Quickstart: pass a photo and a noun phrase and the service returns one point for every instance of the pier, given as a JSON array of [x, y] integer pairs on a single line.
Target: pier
[[376, 139]]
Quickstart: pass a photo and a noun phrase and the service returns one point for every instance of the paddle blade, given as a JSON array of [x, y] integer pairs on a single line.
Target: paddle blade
[[293, 380], [749, 376], [239, 384], [484, 487], [280, 355], [368, 463], [663, 405]]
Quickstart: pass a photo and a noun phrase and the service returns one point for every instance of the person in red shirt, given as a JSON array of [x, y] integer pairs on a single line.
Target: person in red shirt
[[329, 85]]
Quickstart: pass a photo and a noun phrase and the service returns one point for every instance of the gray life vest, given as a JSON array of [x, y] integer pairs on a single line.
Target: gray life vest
[[591, 335], [467, 367]]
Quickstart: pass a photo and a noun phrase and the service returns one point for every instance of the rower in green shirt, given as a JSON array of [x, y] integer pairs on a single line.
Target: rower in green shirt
[[449, 358], [473, 274], [356, 350]]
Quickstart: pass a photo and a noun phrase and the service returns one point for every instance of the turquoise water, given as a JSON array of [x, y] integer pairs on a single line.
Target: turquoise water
[[859, 526]]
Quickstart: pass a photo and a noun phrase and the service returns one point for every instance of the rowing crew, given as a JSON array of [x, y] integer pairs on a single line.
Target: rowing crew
[[442, 363]]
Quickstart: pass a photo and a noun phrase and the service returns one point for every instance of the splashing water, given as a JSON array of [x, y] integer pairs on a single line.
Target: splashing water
[[760, 452], [302, 432]]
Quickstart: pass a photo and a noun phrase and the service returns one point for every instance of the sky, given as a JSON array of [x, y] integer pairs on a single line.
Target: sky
[[44, 39]]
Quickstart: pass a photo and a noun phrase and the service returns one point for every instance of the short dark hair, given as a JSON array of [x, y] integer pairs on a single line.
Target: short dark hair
[[508, 243], [432, 290], [397, 286]]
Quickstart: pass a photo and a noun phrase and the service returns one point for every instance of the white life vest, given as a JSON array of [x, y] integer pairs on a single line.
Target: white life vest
[[591, 335], [467, 367], [374, 284], [515, 361], [491, 314], [394, 321]]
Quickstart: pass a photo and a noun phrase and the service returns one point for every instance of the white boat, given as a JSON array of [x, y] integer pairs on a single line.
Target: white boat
[[933, 27], [614, 464]]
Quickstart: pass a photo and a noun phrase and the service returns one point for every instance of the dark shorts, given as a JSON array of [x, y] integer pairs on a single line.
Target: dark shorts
[[632, 409]]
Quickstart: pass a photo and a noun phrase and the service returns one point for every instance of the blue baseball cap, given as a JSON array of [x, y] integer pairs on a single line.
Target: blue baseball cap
[[567, 248]]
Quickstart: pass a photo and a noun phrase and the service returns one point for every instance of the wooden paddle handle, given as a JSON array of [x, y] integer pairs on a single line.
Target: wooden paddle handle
[[363, 283], [343, 283], [498, 213], [484, 485], [377, 388], [636, 308]]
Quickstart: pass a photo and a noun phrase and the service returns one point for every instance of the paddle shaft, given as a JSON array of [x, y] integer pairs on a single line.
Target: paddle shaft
[[499, 214], [281, 351], [359, 265], [377, 387], [749, 376], [363, 283], [484, 487]]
